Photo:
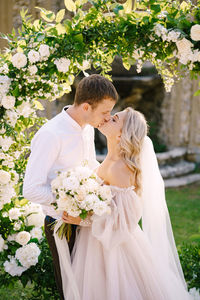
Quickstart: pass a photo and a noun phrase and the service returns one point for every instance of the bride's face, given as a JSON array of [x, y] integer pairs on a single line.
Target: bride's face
[[113, 128]]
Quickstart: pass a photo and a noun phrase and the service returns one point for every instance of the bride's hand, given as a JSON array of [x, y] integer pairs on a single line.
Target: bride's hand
[[70, 220]]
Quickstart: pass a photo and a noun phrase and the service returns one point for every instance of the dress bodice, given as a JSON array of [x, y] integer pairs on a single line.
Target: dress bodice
[[126, 211]]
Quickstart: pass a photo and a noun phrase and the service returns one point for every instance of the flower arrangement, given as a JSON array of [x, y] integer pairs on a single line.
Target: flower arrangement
[[41, 62], [19, 244], [80, 192]]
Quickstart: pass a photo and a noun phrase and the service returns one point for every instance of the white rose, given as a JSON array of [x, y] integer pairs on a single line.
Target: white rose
[[173, 36], [2, 130], [33, 56], [17, 225], [5, 177], [36, 233], [84, 66], [160, 30], [70, 183], [14, 213], [36, 219], [44, 51], [6, 142], [25, 109], [12, 237], [13, 268], [5, 214], [62, 64], [91, 185], [184, 46], [74, 211], [2, 243], [82, 193], [82, 173], [19, 60], [91, 200], [194, 56], [105, 193], [11, 117], [4, 79], [4, 69], [2, 155], [8, 102], [195, 32], [28, 255], [6, 194], [33, 69], [23, 238], [64, 203], [8, 163]]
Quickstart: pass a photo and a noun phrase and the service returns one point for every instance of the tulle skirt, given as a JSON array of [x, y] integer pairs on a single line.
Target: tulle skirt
[[126, 271]]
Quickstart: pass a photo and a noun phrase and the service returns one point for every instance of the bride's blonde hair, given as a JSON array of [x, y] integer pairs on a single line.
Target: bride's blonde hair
[[133, 132]]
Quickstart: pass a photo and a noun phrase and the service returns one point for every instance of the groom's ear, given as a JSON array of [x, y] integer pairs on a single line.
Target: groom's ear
[[86, 106]]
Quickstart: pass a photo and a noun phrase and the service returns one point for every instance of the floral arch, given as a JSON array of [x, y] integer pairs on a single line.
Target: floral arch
[[41, 62]]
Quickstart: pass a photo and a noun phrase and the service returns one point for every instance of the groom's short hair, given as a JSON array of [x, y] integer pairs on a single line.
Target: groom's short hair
[[93, 89]]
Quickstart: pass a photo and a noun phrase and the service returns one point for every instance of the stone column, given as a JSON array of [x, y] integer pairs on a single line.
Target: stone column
[[181, 117]]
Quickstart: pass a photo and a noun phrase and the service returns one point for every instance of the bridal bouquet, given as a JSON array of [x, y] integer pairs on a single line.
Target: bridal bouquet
[[80, 192]]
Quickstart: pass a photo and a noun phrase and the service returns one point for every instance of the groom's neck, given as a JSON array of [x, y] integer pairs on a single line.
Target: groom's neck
[[75, 113]]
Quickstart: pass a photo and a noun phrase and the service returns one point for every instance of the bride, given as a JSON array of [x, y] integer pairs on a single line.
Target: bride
[[115, 258]]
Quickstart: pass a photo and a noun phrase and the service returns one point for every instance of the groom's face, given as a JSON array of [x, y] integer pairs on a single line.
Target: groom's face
[[101, 113]]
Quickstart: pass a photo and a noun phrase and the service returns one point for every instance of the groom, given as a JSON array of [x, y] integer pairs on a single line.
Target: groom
[[65, 142]]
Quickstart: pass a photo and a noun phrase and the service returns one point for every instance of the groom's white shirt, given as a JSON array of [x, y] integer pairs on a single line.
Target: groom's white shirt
[[58, 145]]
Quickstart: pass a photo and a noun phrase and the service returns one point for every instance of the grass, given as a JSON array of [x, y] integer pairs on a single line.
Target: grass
[[16, 293], [184, 209]]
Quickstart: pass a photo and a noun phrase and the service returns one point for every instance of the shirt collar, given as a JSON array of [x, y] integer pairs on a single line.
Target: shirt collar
[[69, 119]]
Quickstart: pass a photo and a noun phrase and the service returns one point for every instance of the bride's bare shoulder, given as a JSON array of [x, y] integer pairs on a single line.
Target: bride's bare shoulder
[[119, 174]]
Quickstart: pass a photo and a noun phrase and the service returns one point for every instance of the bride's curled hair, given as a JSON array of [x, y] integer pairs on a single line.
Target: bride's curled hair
[[133, 132]]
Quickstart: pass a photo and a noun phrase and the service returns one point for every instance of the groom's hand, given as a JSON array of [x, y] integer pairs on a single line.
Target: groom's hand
[[70, 220]]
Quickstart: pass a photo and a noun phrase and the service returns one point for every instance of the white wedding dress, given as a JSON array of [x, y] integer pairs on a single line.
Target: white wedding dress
[[113, 258]]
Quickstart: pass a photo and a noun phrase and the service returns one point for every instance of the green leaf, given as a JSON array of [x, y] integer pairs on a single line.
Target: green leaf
[[60, 15], [197, 93], [184, 5], [70, 5], [47, 15], [60, 28], [79, 38], [80, 2], [38, 105], [36, 24], [126, 65], [128, 6], [15, 92], [156, 8]]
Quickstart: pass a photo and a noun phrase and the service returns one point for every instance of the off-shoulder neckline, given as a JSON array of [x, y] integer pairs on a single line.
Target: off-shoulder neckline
[[131, 187]]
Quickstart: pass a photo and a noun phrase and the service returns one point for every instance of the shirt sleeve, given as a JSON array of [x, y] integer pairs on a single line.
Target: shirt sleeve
[[93, 163], [45, 148]]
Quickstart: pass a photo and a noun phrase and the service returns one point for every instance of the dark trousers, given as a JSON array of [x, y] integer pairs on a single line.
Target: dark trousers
[[50, 239]]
